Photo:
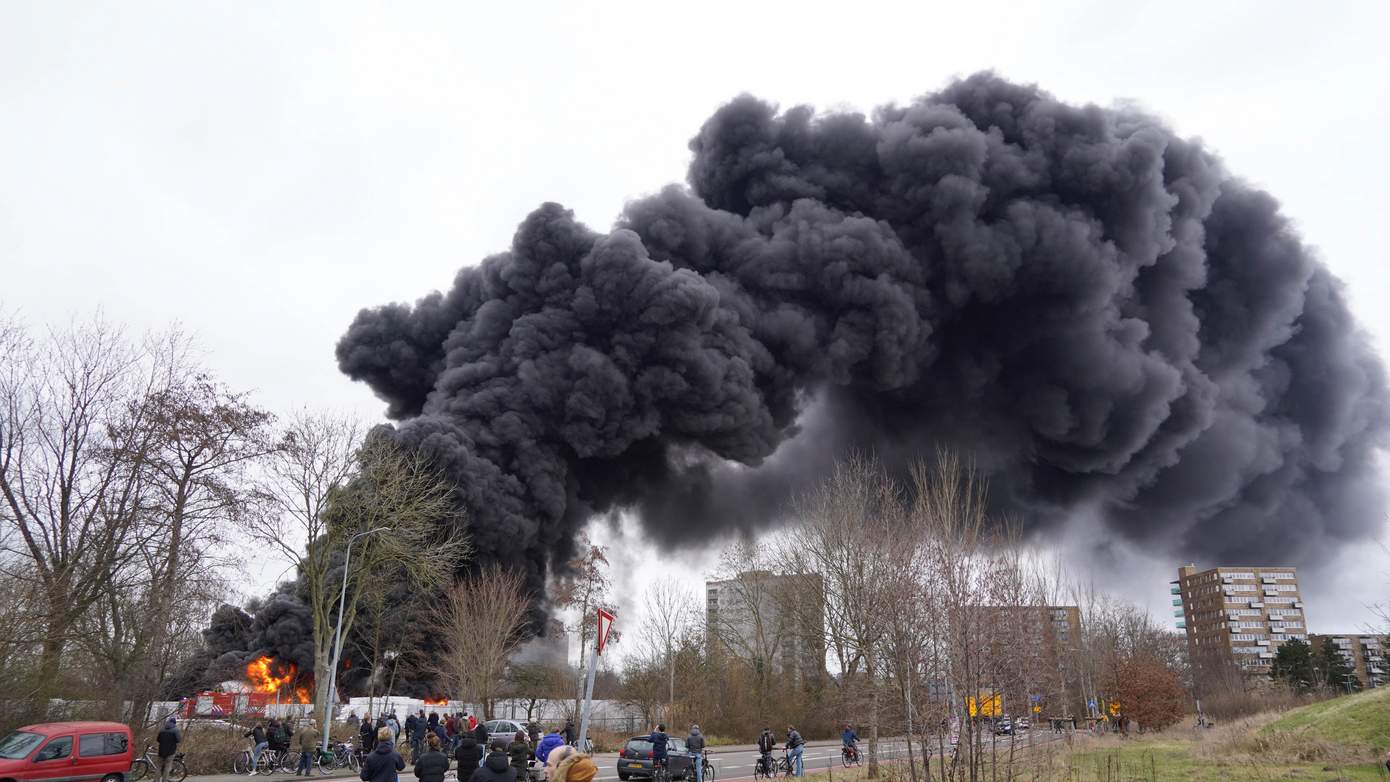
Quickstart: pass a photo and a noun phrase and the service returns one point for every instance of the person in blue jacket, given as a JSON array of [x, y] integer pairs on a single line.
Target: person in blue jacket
[[549, 742], [659, 741], [850, 740]]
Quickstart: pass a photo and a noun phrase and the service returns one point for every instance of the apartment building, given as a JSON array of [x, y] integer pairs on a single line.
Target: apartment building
[[1236, 617], [770, 618], [1366, 653]]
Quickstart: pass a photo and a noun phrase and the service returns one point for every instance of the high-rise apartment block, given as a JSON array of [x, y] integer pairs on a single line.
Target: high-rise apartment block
[[1238, 616], [770, 619], [1365, 653]]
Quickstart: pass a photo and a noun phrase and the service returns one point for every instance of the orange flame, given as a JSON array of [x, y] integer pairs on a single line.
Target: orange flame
[[436, 701], [260, 672]]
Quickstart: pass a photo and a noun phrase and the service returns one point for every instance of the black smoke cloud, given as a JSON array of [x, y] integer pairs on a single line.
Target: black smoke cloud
[[1088, 305]]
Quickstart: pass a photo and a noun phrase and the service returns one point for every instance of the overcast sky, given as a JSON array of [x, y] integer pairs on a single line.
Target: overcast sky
[[260, 171]]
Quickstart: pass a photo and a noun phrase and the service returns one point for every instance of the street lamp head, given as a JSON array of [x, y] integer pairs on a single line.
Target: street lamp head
[[370, 531]]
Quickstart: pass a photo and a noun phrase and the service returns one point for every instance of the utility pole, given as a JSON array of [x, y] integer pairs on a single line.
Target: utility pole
[[338, 642]]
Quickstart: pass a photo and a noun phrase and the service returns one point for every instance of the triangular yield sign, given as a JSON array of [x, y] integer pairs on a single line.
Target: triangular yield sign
[[605, 623]]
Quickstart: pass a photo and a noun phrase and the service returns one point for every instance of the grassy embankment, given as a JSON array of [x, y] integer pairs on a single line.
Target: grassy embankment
[[1339, 739]]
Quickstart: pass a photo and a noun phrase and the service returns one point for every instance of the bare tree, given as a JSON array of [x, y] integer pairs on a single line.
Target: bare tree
[[482, 624], [74, 436], [583, 590], [323, 489], [669, 620]]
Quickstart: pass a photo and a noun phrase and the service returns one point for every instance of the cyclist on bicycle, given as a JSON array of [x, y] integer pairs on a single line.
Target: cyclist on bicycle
[[850, 743], [695, 745], [258, 739], [766, 743], [659, 741]]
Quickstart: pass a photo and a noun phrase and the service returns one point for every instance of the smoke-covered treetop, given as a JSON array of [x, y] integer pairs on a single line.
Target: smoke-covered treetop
[[1088, 305]]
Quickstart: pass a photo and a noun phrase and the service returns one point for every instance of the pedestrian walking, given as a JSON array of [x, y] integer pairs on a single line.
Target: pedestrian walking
[[433, 764], [496, 766], [796, 746], [384, 763], [308, 747], [169, 740], [695, 745], [469, 755]]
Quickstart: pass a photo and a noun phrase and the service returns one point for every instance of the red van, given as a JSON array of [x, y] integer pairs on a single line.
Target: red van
[[67, 752]]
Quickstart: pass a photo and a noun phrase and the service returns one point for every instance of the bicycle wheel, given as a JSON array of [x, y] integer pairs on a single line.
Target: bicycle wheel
[[323, 767], [140, 769], [241, 762], [759, 769], [267, 763], [707, 771], [177, 771], [354, 760]]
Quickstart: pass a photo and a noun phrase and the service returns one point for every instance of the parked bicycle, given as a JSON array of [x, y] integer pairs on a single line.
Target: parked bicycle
[[784, 764], [146, 765]]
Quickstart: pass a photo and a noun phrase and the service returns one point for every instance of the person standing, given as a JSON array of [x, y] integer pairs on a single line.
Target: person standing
[[308, 748], [367, 732], [766, 743], [169, 740], [384, 764], [519, 752], [496, 766], [796, 745], [569, 731], [660, 741], [695, 745], [484, 739], [258, 738], [469, 755], [433, 763], [548, 744]]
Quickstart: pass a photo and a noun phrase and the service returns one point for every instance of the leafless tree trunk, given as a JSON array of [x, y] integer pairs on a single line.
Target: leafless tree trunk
[[482, 624], [583, 591]]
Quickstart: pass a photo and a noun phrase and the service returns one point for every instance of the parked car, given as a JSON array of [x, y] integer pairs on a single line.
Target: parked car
[[1003, 727], [504, 730], [67, 751], [635, 758], [1023, 723]]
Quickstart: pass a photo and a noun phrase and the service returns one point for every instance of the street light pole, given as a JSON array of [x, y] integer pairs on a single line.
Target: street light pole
[[338, 635]]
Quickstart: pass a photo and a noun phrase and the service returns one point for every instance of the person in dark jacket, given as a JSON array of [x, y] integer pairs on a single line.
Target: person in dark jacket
[[469, 756], [384, 763], [257, 736], [169, 739], [519, 752], [367, 731], [480, 733], [433, 764], [443, 734], [416, 729], [659, 741], [569, 731], [766, 743], [496, 767], [695, 745]]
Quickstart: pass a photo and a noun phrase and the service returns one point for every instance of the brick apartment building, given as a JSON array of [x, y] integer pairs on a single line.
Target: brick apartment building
[[1237, 617], [1366, 653]]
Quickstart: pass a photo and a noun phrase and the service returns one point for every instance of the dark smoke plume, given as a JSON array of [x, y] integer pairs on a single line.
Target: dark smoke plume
[[1089, 306]]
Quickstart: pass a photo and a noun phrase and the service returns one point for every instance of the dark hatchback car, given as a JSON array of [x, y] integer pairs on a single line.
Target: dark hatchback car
[[635, 758]]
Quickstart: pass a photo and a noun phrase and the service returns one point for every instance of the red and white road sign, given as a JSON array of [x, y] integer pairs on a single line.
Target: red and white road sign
[[605, 623]]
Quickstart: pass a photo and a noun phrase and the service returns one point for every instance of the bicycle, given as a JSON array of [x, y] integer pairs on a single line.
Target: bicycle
[[322, 762], [661, 769], [706, 768], [273, 760], [849, 756], [146, 764], [764, 767], [784, 763]]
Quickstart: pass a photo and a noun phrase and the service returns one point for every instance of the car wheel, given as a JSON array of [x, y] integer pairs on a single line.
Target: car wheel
[[112, 778]]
